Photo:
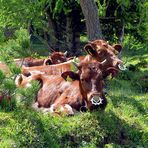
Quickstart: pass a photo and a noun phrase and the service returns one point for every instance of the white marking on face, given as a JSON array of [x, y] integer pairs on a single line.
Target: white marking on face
[[93, 85]]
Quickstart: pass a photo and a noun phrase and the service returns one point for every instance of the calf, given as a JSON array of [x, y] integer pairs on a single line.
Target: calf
[[85, 90]]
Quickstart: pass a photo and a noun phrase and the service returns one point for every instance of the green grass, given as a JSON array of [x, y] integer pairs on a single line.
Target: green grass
[[124, 123]]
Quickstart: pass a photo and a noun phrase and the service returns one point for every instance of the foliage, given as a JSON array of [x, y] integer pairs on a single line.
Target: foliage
[[135, 17], [122, 124], [7, 93], [18, 46], [27, 95], [102, 8]]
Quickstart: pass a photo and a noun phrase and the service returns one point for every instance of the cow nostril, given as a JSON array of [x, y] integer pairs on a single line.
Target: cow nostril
[[82, 80]]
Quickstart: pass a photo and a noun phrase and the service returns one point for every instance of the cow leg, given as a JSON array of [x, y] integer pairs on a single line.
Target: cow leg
[[64, 109], [56, 110], [68, 110]]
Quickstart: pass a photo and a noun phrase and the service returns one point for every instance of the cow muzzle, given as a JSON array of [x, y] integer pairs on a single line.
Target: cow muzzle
[[96, 100]]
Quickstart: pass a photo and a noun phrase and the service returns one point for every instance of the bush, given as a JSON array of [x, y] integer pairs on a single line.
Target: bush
[[27, 95]]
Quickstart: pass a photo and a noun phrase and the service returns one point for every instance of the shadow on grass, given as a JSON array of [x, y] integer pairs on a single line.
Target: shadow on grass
[[118, 131], [90, 129], [33, 131]]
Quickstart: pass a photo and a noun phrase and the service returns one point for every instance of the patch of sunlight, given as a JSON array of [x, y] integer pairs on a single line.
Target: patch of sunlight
[[83, 38], [6, 143], [121, 91]]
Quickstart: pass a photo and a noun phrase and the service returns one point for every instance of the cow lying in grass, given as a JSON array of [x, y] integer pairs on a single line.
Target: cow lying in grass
[[98, 50], [85, 90], [54, 58]]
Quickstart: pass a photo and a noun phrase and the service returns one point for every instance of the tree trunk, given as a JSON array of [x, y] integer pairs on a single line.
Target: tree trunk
[[69, 33], [90, 12], [121, 35], [51, 32]]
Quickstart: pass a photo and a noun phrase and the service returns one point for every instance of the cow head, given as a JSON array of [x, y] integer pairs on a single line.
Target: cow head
[[101, 50], [90, 77], [25, 81], [56, 58]]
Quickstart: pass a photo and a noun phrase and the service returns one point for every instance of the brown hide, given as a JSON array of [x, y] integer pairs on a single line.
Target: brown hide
[[58, 94], [29, 62], [54, 58], [48, 69], [99, 50]]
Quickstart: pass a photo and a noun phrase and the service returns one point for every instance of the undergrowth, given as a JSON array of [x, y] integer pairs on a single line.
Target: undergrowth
[[122, 124]]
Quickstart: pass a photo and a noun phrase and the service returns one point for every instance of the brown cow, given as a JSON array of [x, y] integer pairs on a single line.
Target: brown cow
[[54, 58], [99, 50], [85, 90]]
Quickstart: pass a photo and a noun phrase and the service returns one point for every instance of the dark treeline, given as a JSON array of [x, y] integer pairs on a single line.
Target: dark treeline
[[61, 25]]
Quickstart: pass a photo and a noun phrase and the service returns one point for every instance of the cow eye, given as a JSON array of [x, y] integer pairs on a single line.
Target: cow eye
[[102, 53], [94, 68]]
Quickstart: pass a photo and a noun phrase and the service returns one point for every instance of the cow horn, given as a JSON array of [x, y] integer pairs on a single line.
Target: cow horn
[[65, 53], [104, 61]]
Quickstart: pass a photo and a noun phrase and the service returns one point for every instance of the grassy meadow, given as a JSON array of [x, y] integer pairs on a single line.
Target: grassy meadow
[[124, 123]]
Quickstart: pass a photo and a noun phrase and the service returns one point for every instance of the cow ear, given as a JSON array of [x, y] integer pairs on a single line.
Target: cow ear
[[19, 79], [117, 47], [70, 75], [89, 49], [113, 71]]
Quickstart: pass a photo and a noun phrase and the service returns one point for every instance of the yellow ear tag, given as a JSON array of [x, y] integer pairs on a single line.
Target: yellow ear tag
[[73, 66], [116, 52], [109, 77], [69, 79]]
